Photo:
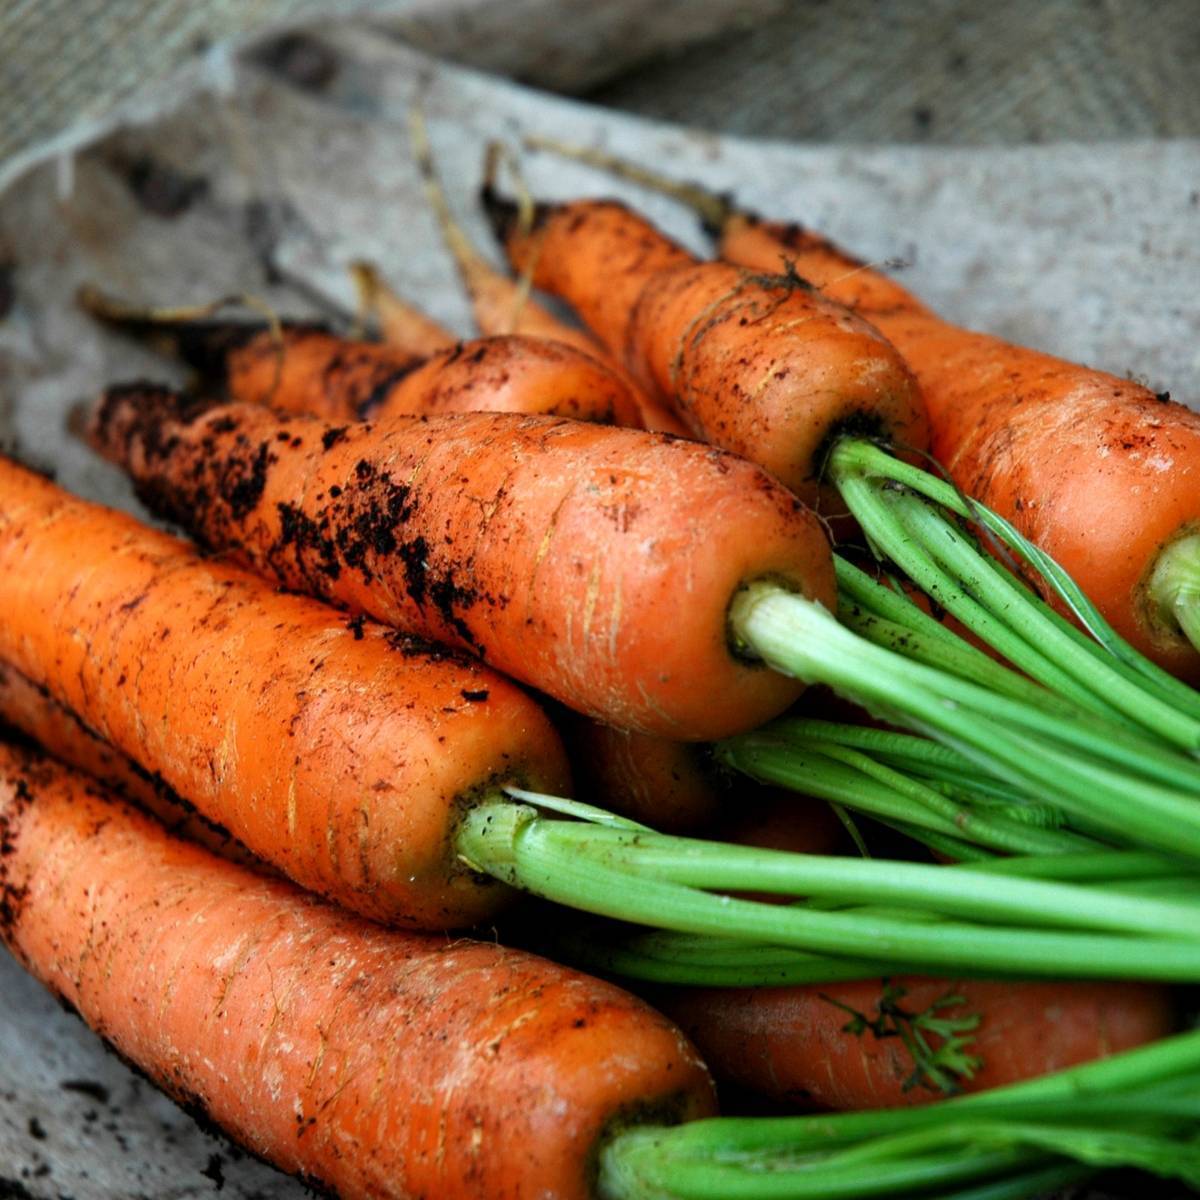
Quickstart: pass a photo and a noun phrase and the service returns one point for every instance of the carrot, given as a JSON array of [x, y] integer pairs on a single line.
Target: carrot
[[31, 710], [502, 305], [377, 1063], [678, 787], [572, 582], [345, 759], [667, 784], [760, 364], [1046, 443], [299, 367], [551, 549], [867, 1044]]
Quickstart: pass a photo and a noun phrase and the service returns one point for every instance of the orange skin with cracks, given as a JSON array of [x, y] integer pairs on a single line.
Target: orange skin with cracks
[[336, 752], [593, 563], [789, 1044], [30, 709], [760, 364], [1097, 470], [340, 379], [379, 1063]]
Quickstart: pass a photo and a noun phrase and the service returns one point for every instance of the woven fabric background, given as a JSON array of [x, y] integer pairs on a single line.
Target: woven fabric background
[[958, 71], [72, 70]]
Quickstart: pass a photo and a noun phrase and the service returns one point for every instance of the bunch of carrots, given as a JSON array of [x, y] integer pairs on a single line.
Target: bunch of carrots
[[536, 612]]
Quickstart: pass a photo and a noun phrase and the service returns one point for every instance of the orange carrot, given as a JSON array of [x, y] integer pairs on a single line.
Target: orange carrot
[[1099, 471], [667, 784], [30, 709], [792, 1044], [297, 367], [554, 550], [761, 364], [377, 1063], [335, 750]]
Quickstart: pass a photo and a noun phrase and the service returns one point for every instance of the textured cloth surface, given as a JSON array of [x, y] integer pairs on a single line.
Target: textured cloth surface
[[958, 71], [71, 70]]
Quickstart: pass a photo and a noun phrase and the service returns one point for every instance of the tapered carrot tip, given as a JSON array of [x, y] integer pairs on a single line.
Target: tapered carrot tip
[[379, 1064]]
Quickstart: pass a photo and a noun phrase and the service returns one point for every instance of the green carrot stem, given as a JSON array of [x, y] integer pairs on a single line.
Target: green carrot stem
[[800, 638], [765, 966], [1000, 594], [1146, 1067], [893, 538], [858, 455], [1174, 587], [1093, 866], [691, 862], [551, 859], [830, 772], [861, 598], [917, 757], [714, 1180]]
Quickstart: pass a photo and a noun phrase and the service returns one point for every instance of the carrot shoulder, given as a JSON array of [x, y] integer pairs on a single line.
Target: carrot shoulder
[[759, 363], [378, 1063], [596, 564], [338, 751]]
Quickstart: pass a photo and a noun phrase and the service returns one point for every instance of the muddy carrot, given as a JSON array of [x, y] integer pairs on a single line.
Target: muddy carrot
[[377, 1063], [550, 548], [332, 748], [761, 364], [297, 367], [636, 578], [870, 1044]]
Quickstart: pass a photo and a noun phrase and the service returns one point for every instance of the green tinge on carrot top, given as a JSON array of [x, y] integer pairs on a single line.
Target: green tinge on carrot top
[[1174, 587]]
